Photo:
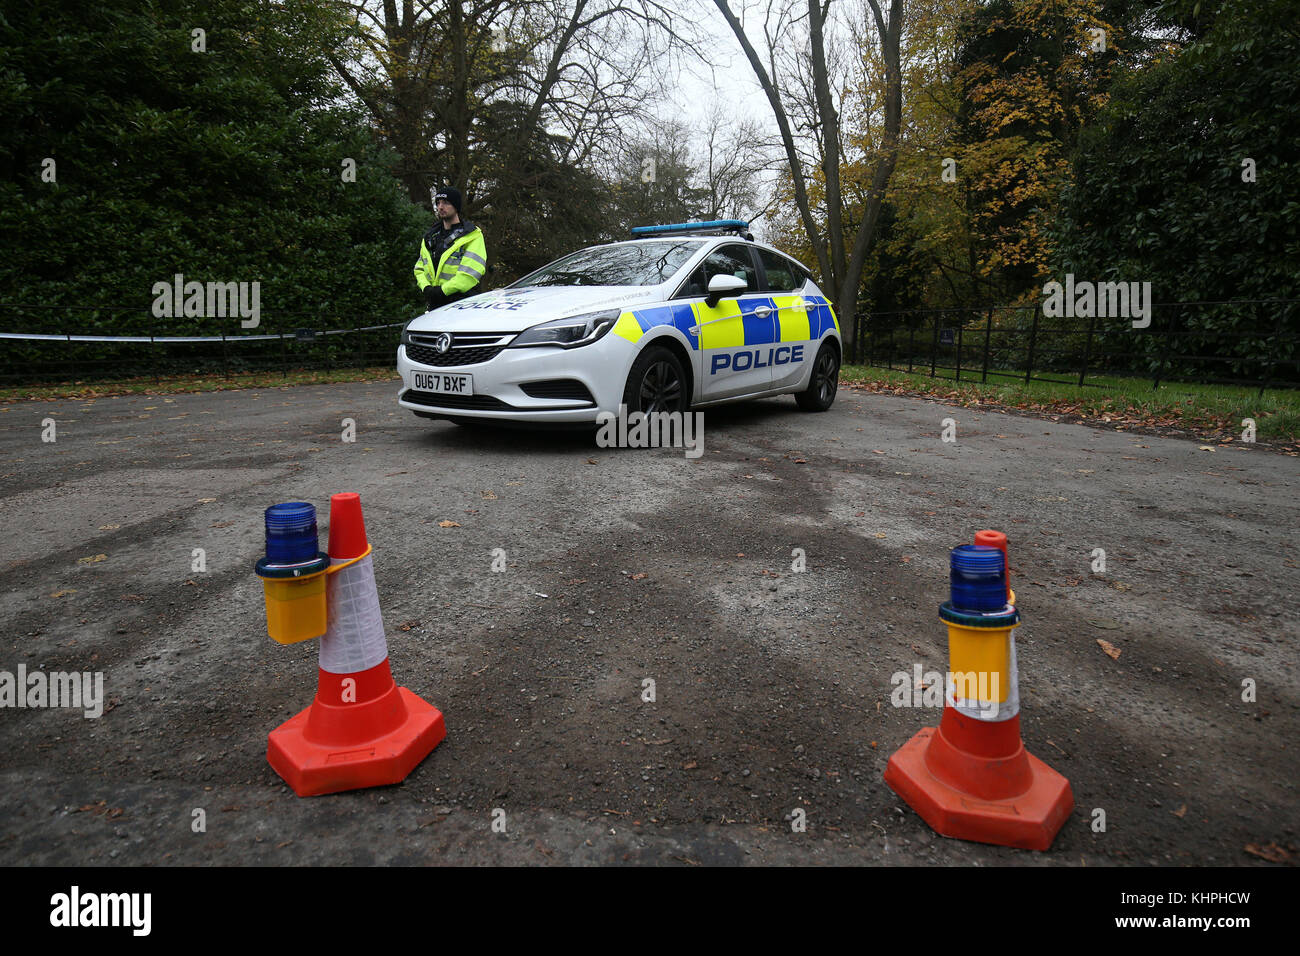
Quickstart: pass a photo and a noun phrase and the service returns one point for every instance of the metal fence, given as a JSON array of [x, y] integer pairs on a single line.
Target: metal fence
[[1251, 342], [63, 343]]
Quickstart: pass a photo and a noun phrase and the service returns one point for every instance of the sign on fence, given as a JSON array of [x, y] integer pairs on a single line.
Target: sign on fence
[[947, 336]]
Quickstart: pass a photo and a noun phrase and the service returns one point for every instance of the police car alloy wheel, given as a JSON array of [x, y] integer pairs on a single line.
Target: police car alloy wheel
[[680, 317], [656, 383], [824, 382]]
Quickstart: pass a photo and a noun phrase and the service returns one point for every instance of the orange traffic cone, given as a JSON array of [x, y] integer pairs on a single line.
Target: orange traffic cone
[[971, 777], [362, 730]]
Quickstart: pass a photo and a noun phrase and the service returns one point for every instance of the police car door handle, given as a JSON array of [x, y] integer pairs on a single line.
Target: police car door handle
[[762, 312]]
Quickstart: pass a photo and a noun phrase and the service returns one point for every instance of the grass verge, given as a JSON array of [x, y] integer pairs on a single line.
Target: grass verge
[[173, 384], [1211, 412]]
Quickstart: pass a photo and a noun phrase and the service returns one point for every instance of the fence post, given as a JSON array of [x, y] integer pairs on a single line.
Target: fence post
[[1277, 339], [1033, 335], [871, 349], [934, 343], [1087, 347], [988, 331], [153, 335], [1155, 381], [961, 327], [911, 345]]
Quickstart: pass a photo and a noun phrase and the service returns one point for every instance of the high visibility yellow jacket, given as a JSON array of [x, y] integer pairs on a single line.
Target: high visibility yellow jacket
[[460, 267]]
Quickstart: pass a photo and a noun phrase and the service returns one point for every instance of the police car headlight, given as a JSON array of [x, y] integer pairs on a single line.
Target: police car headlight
[[569, 333]]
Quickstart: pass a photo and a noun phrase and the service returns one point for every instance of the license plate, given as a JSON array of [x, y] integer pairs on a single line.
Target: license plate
[[442, 383]]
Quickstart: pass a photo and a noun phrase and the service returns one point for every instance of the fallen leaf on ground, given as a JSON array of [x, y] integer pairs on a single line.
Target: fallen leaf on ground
[[490, 495], [64, 593], [1181, 811], [448, 524], [92, 559], [1207, 448], [1111, 650], [1271, 852]]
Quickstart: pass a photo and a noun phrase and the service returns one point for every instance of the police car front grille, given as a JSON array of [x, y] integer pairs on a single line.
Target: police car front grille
[[424, 355], [568, 388], [438, 400]]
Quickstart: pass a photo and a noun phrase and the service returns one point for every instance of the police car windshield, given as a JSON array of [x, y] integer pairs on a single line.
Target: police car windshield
[[629, 263]]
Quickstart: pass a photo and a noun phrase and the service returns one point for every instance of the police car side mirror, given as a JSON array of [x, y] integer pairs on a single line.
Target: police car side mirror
[[723, 286]]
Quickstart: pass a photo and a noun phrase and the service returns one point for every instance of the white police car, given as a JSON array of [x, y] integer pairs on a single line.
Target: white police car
[[679, 317]]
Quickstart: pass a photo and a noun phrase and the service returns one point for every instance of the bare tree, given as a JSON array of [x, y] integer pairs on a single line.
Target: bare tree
[[579, 71], [733, 160], [841, 234]]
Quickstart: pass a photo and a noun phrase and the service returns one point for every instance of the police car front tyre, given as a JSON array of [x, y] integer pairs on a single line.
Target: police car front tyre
[[825, 380], [656, 382]]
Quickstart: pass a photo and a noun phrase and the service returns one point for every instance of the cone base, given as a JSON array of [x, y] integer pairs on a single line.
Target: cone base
[[1027, 821], [313, 768]]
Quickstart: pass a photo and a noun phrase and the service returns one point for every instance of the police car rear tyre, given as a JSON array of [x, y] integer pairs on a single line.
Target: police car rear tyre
[[825, 380], [656, 382]]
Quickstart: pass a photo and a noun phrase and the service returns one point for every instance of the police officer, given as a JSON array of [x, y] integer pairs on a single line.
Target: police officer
[[453, 258]]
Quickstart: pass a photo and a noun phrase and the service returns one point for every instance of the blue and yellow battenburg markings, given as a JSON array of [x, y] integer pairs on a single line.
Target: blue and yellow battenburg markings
[[794, 318]]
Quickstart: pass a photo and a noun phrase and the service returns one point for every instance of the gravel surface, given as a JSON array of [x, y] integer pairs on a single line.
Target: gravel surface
[[771, 686]]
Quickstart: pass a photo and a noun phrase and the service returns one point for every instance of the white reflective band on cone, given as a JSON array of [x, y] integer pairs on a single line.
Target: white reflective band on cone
[[354, 640], [991, 711]]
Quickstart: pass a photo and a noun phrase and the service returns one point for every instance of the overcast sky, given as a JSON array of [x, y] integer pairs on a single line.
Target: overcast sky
[[732, 81]]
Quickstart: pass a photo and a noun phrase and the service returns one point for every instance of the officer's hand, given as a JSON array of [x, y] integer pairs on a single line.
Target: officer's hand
[[433, 297]]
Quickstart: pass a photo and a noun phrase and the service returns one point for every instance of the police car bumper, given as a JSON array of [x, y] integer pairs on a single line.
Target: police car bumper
[[543, 384]]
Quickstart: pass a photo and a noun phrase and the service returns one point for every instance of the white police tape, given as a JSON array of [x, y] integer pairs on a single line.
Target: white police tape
[[166, 339]]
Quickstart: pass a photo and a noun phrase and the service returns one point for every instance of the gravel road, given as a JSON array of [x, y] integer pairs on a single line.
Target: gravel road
[[772, 686]]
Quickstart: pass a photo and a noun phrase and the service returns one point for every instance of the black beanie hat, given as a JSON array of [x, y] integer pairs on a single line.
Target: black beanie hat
[[451, 194]]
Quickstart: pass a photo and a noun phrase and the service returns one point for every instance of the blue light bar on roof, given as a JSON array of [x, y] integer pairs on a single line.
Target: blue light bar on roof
[[685, 228]]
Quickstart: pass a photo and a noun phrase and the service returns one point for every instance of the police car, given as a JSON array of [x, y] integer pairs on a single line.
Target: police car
[[681, 316]]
